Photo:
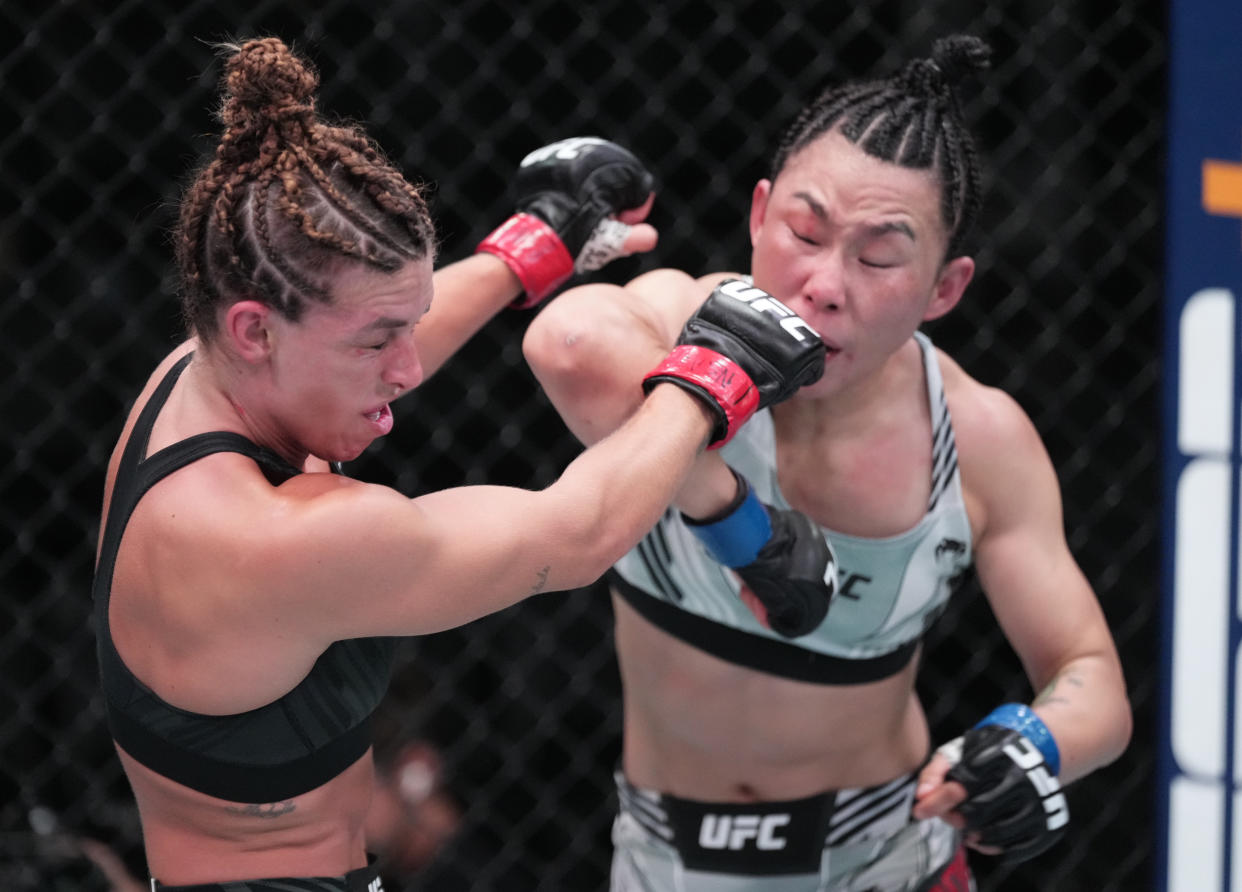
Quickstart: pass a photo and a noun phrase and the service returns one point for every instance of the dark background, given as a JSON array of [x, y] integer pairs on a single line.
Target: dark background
[[106, 106]]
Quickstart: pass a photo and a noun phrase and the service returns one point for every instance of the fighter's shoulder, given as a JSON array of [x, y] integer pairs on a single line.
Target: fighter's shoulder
[[307, 537], [995, 437], [326, 503], [235, 507]]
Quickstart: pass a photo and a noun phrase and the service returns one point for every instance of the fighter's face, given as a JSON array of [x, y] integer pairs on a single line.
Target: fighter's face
[[855, 246], [335, 371]]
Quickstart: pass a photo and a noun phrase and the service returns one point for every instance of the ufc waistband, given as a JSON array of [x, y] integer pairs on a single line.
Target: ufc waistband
[[364, 879], [769, 838]]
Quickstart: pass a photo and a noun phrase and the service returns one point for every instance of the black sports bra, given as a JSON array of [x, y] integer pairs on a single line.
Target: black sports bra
[[275, 752]]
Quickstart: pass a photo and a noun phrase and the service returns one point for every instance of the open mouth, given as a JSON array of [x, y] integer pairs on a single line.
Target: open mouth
[[381, 418]]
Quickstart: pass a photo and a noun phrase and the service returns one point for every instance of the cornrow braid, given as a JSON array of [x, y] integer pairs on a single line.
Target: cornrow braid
[[287, 198], [912, 119]]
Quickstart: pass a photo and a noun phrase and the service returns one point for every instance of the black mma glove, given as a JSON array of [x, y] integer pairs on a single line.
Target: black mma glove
[[1013, 798], [568, 193], [741, 351], [779, 553]]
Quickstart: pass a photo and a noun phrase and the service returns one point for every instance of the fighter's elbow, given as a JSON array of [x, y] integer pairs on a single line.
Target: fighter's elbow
[[1122, 729], [1113, 720], [554, 345], [1120, 714], [596, 543]]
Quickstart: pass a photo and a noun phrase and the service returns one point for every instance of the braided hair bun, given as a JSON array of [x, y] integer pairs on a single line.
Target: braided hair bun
[[288, 198], [952, 60], [265, 79], [912, 119]]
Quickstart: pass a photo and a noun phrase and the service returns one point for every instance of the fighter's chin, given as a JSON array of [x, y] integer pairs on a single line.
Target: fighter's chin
[[817, 391], [824, 385], [350, 453], [377, 423], [348, 450]]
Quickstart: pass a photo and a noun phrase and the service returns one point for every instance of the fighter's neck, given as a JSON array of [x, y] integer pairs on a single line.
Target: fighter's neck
[[862, 404]]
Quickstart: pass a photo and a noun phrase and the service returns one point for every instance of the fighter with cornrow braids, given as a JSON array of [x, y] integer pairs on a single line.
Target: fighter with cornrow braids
[[773, 737], [247, 593]]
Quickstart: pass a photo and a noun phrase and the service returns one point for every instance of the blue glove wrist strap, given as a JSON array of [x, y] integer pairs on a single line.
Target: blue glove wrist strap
[[1023, 719], [736, 538]]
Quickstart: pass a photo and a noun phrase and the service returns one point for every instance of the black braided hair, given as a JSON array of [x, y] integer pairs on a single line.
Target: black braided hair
[[288, 198], [912, 119]]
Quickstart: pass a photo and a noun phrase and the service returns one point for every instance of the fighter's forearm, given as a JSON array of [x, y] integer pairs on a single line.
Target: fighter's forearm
[[468, 294], [1086, 708]]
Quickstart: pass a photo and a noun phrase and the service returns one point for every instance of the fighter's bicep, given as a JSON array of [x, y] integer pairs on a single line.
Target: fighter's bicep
[[1041, 599], [377, 563], [494, 545], [1037, 590]]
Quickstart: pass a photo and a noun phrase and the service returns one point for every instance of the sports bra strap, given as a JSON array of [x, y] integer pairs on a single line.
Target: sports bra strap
[[140, 436]]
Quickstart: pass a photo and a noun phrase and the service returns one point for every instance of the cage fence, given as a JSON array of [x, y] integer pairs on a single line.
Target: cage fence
[[106, 105]]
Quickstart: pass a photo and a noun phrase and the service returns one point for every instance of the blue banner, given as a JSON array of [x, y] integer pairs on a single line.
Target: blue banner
[[1200, 810]]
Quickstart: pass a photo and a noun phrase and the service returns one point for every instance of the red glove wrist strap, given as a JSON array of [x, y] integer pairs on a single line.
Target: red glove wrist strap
[[720, 376], [535, 253]]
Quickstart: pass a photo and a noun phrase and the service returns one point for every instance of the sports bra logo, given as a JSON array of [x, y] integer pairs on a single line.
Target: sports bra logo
[[847, 587], [951, 549]]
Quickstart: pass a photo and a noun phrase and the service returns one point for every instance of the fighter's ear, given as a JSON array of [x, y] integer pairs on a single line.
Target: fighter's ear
[[245, 326], [759, 207], [950, 286]]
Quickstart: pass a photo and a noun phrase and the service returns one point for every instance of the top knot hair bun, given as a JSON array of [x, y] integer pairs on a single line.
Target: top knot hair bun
[[264, 78], [959, 56], [953, 59]]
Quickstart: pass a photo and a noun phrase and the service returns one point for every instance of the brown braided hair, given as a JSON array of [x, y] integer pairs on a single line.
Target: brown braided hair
[[288, 198], [911, 119]]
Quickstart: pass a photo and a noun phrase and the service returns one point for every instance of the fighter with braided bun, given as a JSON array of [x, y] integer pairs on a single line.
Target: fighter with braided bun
[[773, 736], [247, 593]]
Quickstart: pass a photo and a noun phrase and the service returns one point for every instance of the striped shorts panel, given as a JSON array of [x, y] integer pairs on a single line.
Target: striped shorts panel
[[855, 840]]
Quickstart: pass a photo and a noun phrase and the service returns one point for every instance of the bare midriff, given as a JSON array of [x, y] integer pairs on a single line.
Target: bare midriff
[[191, 837], [702, 728]]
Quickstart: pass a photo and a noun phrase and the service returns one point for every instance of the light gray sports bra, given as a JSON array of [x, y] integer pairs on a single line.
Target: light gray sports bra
[[891, 589]]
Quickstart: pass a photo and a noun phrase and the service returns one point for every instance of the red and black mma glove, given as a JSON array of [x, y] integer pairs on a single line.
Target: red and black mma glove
[[741, 351], [1008, 764], [779, 553], [568, 195]]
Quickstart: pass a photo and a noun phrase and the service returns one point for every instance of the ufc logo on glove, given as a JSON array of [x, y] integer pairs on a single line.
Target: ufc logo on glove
[[761, 301], [1013, 798], [565, 150], [1029, 759]]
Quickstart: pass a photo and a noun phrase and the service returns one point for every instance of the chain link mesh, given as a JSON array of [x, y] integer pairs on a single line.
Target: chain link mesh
[[105, 106]]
